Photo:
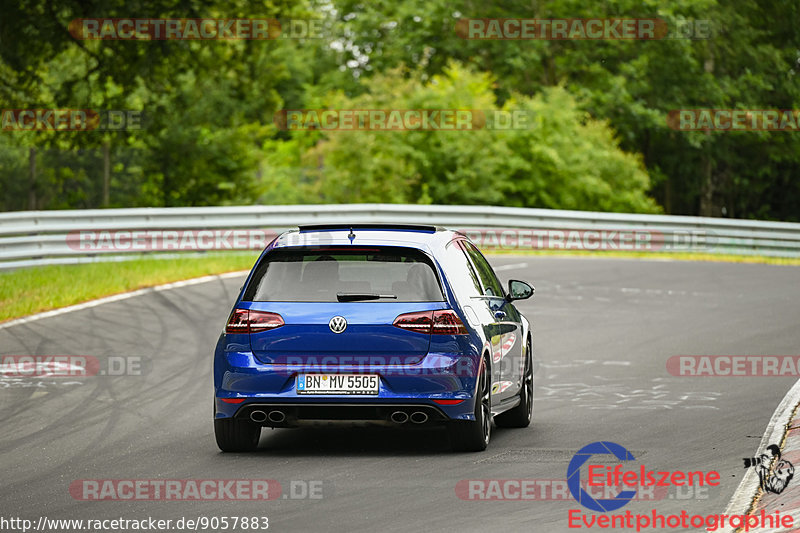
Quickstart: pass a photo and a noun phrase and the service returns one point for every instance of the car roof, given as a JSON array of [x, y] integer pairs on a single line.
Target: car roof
[[423, 237]]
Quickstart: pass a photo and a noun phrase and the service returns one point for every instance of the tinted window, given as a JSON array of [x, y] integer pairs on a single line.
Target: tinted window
[[463, 279], [322, 275], [491, 285]]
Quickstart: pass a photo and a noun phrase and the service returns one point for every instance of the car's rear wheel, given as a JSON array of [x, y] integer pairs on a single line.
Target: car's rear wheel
[[473, 436], [520, 416], [236, 435]]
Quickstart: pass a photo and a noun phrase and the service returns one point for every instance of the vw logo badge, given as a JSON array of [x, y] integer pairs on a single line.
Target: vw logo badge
[[337, 324]]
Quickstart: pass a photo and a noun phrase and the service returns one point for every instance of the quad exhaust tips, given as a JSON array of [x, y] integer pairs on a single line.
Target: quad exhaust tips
[[259, 417], [295, 415], [401, 417]]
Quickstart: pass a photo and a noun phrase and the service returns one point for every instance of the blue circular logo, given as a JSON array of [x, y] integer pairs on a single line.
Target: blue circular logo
[[574, 476]]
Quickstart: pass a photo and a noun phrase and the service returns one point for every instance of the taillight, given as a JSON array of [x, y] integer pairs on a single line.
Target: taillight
[[238, 322], [432, 323], [249, 321], [448, 323], [263, 321], [420, 322]]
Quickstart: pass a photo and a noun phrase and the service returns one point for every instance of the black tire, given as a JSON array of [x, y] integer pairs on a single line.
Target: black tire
[[236, 435], [473, 436], [520, 416]]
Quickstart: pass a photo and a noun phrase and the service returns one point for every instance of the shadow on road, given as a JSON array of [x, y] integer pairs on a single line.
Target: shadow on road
[[353, 441], [345, 441]]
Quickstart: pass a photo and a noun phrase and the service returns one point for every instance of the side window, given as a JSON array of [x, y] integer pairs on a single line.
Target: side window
[[492, 285], [463, 279]]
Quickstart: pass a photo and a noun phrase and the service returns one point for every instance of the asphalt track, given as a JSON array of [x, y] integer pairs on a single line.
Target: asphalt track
[[603, 330]]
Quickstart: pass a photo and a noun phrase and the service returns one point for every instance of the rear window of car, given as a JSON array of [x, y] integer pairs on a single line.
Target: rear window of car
[[380, 274]]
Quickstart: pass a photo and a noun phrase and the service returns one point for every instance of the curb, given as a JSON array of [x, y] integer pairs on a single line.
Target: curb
[[784, 430]]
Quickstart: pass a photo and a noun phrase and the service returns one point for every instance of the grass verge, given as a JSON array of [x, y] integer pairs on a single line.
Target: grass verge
[[32, 290], [671, 256]]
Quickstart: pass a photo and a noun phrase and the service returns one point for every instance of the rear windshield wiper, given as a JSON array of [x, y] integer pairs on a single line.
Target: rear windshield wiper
[[358, 296]]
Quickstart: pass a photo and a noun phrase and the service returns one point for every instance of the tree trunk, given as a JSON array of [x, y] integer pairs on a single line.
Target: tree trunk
[[707, 189], [32, 180], [106, 172]]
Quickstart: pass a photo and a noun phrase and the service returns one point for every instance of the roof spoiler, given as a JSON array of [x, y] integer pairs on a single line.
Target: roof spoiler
[[370, 226]]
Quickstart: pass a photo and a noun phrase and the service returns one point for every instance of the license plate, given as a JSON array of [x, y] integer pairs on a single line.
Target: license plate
[[338, 384]]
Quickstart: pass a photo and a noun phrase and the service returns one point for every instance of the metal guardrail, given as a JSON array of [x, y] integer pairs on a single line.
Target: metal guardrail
[[29, 238]]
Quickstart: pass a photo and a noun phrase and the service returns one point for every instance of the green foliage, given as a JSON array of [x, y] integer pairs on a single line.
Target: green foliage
[[563, 159], [599, 140], [751, 61], [207, 105]]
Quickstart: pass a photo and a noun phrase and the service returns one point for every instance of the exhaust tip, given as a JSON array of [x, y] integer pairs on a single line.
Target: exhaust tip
[[418, 417], [276, 416], [258, 416], [399, 417]]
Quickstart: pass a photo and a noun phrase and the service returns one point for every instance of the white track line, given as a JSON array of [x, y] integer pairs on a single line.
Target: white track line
[[515, 266], [121, 296], [746, 491]]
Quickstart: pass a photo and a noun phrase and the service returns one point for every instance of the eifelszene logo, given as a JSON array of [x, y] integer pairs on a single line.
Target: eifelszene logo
[[574, 476], [613, 477], [607, 476], [775, 477]]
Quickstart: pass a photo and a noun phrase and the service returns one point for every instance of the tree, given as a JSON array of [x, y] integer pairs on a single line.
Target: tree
[[561, 158], [750, 61]]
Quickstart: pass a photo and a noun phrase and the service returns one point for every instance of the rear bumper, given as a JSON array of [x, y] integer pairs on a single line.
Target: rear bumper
[[252, 385], [309, 414]]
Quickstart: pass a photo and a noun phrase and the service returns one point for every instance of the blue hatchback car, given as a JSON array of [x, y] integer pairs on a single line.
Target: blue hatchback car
[[396, 325]]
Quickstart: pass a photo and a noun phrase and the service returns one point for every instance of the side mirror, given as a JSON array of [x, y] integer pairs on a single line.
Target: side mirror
[[518, 290]]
